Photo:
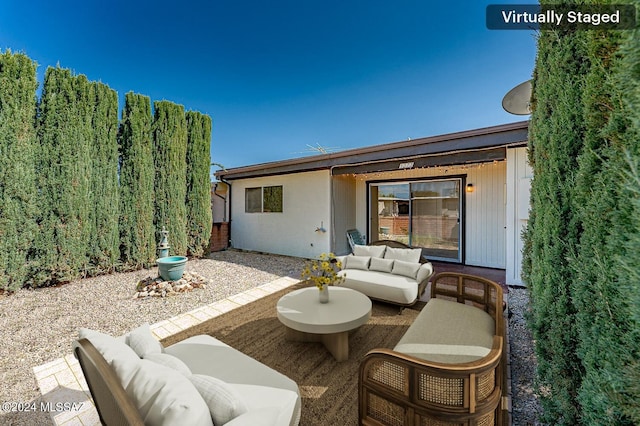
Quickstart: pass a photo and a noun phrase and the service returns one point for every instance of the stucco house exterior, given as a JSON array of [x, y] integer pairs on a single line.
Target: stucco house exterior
[[463, 197]]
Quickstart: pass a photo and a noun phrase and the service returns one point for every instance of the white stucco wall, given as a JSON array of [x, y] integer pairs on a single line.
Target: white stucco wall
[[306, 207], [519, 175]]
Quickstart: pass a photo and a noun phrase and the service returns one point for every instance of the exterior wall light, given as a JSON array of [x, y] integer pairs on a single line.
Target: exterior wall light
[[470, 187]]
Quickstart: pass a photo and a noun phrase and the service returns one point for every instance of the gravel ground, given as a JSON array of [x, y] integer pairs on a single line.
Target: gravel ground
[[525, 405], [38, 326]]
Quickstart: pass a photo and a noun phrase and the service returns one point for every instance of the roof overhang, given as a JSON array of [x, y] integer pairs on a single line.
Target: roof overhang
[[472, 146]]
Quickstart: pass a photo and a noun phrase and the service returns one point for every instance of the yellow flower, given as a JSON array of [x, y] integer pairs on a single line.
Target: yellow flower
[[323, 271]]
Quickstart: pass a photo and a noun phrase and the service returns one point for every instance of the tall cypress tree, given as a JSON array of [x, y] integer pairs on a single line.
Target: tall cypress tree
[[199, 216], [104, 247], [630, 265], [137, 236], [65, 176], [17, 172], [555, 140], [170, 150], [606, 218]]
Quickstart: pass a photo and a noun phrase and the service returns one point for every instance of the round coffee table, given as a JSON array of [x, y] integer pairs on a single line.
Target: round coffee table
[[308, 320]]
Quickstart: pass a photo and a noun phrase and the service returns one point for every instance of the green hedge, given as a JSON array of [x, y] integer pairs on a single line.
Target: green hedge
[[18, 153], [169, 131], [78, 190], [137, 234], [583, 237], [104, 250], [65, 177], [199, 215]]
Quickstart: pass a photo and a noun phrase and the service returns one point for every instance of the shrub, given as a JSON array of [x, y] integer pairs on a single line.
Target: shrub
[[18, 152], [104, 250], [65, 177], [137, 235], [169, 131], [198, 200]]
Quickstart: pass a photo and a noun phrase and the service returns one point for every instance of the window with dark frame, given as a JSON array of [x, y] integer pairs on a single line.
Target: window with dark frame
[[267, 199]]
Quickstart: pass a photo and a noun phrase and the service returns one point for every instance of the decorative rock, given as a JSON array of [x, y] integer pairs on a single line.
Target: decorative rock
[[157, 287]]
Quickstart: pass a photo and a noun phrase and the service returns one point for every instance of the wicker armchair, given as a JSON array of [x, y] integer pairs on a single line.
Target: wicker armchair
[[398, 389]]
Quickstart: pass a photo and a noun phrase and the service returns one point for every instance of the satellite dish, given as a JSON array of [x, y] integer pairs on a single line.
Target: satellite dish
[[518, 100]]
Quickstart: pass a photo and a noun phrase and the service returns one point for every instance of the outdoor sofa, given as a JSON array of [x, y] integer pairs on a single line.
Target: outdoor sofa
[[199, 381], [448, 368], [388, 271]]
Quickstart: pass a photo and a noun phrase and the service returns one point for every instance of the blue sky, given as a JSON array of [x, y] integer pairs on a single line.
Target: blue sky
[[276, 76]]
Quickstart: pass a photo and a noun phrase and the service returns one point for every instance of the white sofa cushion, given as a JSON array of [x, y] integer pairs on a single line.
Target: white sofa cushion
[[260, 397], [406, 255], [382, 265], [142, 341], [163, 396], [207, 355], [261, 417], [224, 402], [109, 347], [169, 361], [408, 269], [373, 251], [358, 262], [381, 285], [426, 269]]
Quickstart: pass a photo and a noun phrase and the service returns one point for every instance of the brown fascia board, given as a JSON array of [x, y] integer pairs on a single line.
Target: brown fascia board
[[510, 134]]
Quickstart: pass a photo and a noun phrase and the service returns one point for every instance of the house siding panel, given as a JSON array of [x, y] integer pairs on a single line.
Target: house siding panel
[[484, 213], [518, 185], [344, 211]]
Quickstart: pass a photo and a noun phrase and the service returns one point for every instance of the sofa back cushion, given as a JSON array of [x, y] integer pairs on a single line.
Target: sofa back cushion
[[163, 396], [109, 347], [406, 255], [141, 340], [357, 262], [382, 265], [408, 269], [373, 251], [170, 361], [223, 401]]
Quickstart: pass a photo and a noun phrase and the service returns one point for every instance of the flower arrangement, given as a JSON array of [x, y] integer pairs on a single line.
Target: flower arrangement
[[323, 271]]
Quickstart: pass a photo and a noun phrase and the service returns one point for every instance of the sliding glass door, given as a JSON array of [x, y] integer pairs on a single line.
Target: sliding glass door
[[421, 214]]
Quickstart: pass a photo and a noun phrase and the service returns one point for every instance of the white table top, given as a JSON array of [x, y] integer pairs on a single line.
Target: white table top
[[301, 310]]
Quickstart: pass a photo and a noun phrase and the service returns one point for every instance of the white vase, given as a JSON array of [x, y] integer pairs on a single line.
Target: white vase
[[323, 295]]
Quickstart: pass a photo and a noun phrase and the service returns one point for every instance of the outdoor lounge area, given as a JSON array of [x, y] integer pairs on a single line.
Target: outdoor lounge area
[[247, 321]]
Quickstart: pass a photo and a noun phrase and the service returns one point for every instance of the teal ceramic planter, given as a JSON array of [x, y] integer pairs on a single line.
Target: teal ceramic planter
[[171, 268]]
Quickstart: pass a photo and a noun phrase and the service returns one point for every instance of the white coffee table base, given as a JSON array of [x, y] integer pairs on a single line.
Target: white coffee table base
[[336, 343], [308, 320]]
